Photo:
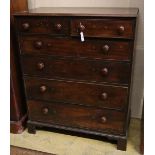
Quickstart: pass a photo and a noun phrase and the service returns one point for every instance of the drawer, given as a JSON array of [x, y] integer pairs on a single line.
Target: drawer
[[106, 28], [73, 116], [91, 48], [77, 69], [89, 94], [43, 25]]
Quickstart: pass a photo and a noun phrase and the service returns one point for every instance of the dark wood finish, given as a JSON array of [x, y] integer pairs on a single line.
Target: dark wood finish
[[18, 115], [22, 151], [77, 116], [107, 28], [94, 49], [25, 26], [31, 128], [74, 82], [104, 96], [81, 12], [18, 5], [43, 89], [44, 25], [83, 70], [18, 126], [40, 65], [122, 144], [77, 93]]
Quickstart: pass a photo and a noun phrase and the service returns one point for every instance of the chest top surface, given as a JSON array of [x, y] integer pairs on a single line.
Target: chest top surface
[[84, 11]]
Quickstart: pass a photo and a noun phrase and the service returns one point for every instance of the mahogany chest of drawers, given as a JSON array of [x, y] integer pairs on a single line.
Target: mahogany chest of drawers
[[77, 66]]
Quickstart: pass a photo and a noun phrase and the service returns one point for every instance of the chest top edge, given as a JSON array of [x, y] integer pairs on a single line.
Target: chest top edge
[[75, 11]]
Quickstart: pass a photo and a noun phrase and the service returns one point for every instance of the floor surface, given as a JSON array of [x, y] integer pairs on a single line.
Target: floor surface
[[21, 151], [61, 144]]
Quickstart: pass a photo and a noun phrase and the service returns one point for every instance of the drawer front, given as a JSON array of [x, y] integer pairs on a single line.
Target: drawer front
[[109, 121], [96, 49], [78, 69], [43, 25], [107, 28], [102, 96]]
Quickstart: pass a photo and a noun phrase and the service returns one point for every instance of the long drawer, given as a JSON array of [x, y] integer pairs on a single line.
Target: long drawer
[[91, 48], [78, 69], [106, 121], [88, 94]]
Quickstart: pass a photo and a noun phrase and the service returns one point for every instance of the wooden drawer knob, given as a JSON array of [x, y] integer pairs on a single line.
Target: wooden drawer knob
[[105, 48], [38, 44], [121, 30], [103, 119], [45, 111], [43, 89], [104, 96], [40, 65], [49, 45], [58, 27], [25, 26], [104, 71]]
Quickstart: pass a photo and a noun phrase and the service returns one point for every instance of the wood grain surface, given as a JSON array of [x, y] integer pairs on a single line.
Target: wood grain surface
[[84, 11], [22, 151]]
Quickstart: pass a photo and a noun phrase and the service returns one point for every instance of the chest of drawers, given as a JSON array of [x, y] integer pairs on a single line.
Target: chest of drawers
[[77, 66]]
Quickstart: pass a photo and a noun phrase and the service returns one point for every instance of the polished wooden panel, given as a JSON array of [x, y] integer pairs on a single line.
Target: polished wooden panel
[[18, 112], [44, 25], [77, 93], [21, 151], [82, 12], [39, 25], [77, 116], [18, 5], [91, 48], [106, 28], [78, 69]]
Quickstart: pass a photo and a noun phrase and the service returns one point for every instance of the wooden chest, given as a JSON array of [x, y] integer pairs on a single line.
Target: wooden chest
[[77, 66]]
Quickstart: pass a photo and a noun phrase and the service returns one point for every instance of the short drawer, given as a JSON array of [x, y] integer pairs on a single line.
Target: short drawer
[[73, 116], [91, 48], [77, 69], [88, 94], [43, 25], [106, 28]]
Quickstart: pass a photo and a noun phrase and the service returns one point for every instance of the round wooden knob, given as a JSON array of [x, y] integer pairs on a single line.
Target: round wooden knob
[[43, 89], [81, 28], [40, 65], [105, 48], [121, 29], [38, 44], [103, 119], [49, 45], [104, 96], [45, 111], [26, 26], [104, 71], [58, 27]]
